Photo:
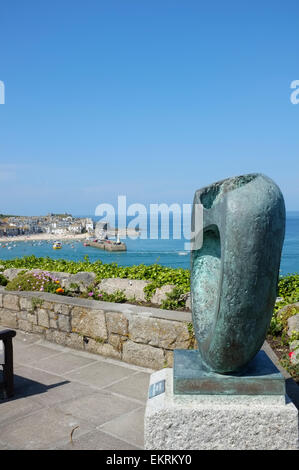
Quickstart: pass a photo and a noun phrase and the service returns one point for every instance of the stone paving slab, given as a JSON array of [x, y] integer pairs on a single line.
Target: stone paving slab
[[100, 374], [47, 389], [62, 363], [3, 447], [128, 427], [133, 387], [98, 408], [12, 411], [64, 398], [96, 440], [41, 429], [32, 353]]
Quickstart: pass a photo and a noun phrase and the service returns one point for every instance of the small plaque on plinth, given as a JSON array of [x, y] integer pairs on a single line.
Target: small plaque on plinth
[[191, 377], [156, 389]]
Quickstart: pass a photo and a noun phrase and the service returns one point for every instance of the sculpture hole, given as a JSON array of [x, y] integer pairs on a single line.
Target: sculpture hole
[[205, 282]]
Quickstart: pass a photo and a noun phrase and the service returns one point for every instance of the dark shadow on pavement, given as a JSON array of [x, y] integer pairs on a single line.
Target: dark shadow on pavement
[[24, 387]]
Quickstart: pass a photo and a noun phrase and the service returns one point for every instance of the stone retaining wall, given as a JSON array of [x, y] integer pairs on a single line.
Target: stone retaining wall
[[138, 335]]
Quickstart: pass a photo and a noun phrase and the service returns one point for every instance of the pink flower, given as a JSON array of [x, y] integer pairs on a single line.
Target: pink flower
[[90, 294]]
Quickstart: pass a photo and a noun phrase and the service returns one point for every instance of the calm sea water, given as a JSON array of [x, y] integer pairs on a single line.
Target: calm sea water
[[170, 252]]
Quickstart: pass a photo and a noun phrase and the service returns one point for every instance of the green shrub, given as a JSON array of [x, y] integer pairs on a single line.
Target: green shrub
[[288, 288], [157, 274], [3, 280], [175, 299], [118, 296], [292, 369], [279, 321]]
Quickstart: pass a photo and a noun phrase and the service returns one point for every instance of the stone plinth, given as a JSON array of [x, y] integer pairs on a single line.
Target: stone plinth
[[218, 422]]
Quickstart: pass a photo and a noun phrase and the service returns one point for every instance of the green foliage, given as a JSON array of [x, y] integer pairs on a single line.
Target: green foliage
[[3, 280], [175, 299], [159, 275], [294, 336], [149, 291], [288, 288], [74, 287], [292, 369], [279, 321], [48, 264], [118, 296]]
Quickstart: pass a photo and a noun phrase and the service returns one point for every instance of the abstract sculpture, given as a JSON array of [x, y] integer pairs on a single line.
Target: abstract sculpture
[[234, 274], [228, 394]]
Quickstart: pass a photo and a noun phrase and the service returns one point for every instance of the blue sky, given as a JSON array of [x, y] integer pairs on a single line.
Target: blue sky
[[151, 99]]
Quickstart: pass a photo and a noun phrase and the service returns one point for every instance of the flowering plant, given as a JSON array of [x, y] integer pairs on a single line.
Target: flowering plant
[[41, 281]]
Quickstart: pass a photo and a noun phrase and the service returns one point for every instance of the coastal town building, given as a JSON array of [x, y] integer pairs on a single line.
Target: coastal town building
[[58, 224]]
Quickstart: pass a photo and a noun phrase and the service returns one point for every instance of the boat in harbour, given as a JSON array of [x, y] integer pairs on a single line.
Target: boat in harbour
[[57, 246]]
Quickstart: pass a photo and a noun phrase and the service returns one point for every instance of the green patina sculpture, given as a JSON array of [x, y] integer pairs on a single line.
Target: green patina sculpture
[[234, 274]]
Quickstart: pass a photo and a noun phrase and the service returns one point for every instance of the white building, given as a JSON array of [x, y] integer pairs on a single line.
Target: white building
[[75, 228], [89, 225]]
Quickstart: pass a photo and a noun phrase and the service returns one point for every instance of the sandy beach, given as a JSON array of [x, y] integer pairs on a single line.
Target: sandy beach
[[43, 236]]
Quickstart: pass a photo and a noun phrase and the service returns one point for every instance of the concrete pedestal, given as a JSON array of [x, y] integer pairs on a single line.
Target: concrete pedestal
[[211, 422]]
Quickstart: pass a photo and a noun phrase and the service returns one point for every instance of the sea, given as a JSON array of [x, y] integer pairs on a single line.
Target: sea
[[171, 251]]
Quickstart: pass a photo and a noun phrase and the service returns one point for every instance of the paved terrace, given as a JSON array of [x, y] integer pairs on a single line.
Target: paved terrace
[[68, 399]]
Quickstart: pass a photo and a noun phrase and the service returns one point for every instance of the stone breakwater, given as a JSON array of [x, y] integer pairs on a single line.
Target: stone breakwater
[[142, 336]]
